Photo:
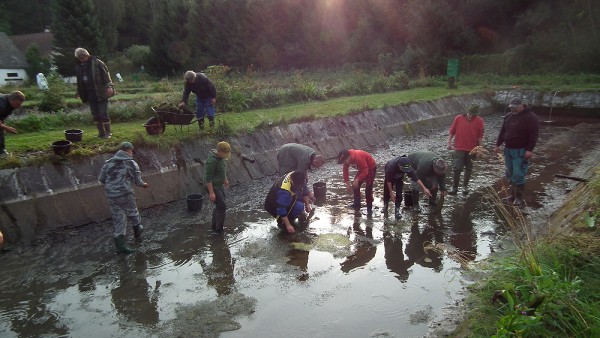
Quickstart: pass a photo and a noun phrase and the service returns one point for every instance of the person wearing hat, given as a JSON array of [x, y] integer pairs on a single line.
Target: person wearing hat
[[366, 166], [519, 134], [284, 200], [118, 175], [215, 178], [298, 157], [467, 132], [395, 170], [431, 170]]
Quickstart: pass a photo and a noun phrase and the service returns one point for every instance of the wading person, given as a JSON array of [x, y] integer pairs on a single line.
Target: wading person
[[431, 170], [298, 157], [206, 96], [8, 104], [467, 132], [215, 178], [395, 170], [366, 169], [118, 175], [94, 86], [284, 200], [519, 134]]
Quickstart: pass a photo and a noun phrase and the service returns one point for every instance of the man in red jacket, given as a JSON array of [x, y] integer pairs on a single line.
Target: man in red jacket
[[467, 131], [367, 168]]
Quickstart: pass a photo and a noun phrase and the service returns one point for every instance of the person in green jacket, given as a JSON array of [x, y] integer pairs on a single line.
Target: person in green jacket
[[215, 178]]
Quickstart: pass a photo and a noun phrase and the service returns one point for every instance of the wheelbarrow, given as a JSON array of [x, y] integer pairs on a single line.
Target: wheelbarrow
[[157, 124]]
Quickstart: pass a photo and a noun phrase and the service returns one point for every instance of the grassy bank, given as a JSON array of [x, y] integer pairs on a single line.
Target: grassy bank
[[543, 288]]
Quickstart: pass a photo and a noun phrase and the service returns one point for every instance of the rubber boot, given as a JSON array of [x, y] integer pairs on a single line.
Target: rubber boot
[[468, 172], [397, 215], [415, 201], [433, 199], [455, 181], [369, 208], [385, 209], [201, 124], [511, 197], [211, 122], [519, 195], [107, 133], [137, 233], [122, 246], [100, 127]]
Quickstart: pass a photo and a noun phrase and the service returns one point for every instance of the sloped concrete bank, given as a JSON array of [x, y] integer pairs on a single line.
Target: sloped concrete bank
[[38, 200]]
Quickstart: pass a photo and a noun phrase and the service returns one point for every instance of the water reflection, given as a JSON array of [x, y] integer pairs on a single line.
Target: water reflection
[[220, 271], [418, 240], [133, 297], [365, 249], [394, 255]]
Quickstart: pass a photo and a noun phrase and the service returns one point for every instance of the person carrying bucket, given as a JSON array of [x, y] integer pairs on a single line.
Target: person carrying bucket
[[117, 176], [284, 200], [298, 157], [395, 170], [365, 163], [215, 178]]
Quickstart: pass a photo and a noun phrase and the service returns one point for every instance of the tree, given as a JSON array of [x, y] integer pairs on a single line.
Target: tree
[[75, 24], [110, 14], [168, 51], [37, 63]]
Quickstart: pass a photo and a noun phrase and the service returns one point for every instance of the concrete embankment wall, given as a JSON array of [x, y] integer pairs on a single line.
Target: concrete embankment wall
[[37, 200]]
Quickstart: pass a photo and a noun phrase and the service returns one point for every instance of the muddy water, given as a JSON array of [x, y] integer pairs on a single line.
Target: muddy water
[[345, 275]]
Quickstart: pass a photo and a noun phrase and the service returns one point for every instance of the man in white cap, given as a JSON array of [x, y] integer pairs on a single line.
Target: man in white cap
[[117, 175]]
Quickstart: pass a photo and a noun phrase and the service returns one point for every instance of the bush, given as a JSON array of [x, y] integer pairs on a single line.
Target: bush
[[53, 98]]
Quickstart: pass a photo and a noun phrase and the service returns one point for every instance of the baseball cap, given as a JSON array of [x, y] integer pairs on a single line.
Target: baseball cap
[[224, 148], [404, 164], [515, 101], [439, 166], [342, 156], [473, 109], [126, 146]]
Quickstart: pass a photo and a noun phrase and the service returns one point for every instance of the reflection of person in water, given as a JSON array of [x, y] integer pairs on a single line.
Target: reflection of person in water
[[394, 257], [415, 248], [463, 237], [134, 298], [299, 258], [365, 250], [220, 271]]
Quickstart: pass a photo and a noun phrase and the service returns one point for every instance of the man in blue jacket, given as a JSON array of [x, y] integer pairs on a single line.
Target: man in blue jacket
[[284, 200]]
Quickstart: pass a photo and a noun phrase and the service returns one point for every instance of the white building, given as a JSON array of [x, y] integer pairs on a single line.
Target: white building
[[12, 62]]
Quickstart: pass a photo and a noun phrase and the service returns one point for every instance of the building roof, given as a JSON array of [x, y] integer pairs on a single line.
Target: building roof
[[43, 40], [10, 56]]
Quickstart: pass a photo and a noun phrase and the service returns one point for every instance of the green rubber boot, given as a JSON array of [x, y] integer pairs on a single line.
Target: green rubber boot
[[122, 246]]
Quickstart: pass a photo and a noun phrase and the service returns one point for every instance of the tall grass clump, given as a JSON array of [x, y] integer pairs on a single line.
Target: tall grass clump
[[544, 288]]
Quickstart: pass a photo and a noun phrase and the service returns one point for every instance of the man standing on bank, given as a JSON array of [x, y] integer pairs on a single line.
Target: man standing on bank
[[94, 86], [215, 178], [519, 133], [206, 96], [366, 166], [298, 157], [394, 177], [117, 175], [8, 104], [467, 131]]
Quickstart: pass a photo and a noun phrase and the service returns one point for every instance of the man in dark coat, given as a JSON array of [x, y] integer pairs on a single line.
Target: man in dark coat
[[395, 170], [431, 170], [519, 133], [206, 96], [8, 103]]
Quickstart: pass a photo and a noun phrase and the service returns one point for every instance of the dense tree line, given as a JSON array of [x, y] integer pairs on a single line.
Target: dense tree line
[[417, 36]]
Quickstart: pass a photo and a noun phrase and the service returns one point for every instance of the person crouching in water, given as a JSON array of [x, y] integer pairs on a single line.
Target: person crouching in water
[[117, 176], [284, 200]]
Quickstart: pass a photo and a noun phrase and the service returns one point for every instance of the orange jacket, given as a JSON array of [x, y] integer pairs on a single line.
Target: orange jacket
[[363, 162]]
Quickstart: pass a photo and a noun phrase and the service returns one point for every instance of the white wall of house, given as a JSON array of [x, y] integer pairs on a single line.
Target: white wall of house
[[12, 76]]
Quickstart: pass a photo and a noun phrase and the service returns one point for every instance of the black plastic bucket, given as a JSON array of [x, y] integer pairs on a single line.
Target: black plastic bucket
[[74, 135], [408, 198], [194, 202], [61, 147], [320, 189]]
